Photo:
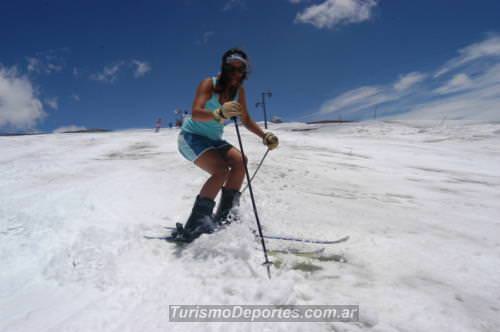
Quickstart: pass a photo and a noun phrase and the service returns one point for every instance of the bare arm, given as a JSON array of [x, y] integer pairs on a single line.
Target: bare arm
[[203, 94], [245, 117]]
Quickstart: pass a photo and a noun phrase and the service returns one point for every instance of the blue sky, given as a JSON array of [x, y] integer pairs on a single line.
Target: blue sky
[[122, 64]]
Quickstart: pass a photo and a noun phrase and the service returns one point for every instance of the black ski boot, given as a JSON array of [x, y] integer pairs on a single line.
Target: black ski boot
[[200, 221], [230, 198]]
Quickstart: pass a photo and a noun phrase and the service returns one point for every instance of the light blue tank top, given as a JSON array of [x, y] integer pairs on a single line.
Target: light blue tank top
[[212, 129]]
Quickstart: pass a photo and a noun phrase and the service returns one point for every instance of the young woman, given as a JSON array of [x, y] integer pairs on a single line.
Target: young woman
[[200, 141]]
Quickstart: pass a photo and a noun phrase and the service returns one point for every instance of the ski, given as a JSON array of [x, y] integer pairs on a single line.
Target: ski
[[313, 241], [291, 238], [318, 254], [297, 252]]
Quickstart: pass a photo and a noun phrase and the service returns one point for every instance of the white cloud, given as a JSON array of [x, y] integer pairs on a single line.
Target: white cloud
[[206, 36], [478, 105], [332, 13], [52, 103], [109, 74], [69, 128], [476, 99], [53, 68], [19, 105], [358, 99], [460, 98], [456, 83], [407, 81], [231, 4], [47, 62], [75, 97], [487, 48], [142, 68], [33, 64], [364, 98], [473, 94]]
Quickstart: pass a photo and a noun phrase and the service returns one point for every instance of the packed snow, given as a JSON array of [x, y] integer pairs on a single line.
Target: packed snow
[[420, 203]]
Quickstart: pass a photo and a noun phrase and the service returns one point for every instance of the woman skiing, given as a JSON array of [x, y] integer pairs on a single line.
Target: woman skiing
[[200, 141]]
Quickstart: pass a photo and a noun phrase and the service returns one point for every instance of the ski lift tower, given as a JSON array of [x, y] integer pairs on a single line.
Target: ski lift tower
[[263, 104]]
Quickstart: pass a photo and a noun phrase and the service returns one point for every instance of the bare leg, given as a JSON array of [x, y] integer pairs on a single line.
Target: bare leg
[[236, 175], [212, 162]]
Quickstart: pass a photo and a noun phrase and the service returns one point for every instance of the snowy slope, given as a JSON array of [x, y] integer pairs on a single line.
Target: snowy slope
[[420, 204]]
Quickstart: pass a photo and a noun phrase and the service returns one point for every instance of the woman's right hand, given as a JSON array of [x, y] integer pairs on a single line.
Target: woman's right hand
[[228, 110]]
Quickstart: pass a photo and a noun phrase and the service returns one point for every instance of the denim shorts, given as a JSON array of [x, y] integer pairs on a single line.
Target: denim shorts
[[192, 146]]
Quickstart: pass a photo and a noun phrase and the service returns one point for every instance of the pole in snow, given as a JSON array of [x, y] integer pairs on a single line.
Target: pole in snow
[[267, 263]]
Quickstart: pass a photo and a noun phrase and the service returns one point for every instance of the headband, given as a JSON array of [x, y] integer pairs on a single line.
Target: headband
[[236, 57]]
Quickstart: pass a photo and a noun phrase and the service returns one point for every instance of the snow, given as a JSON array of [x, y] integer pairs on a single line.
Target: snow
[[420, 203]]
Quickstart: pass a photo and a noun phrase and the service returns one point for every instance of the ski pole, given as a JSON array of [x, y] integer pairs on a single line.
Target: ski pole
[[256, 170], [267, 263]]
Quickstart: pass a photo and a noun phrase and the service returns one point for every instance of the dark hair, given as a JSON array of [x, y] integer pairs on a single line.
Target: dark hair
[[224, 75]]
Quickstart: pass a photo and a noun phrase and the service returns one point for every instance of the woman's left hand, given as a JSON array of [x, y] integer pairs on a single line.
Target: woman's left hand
[[270, 140]]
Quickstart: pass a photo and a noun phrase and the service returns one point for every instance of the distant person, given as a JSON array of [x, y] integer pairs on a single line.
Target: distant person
[[158, 125], [170, 124], [218, 99]]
